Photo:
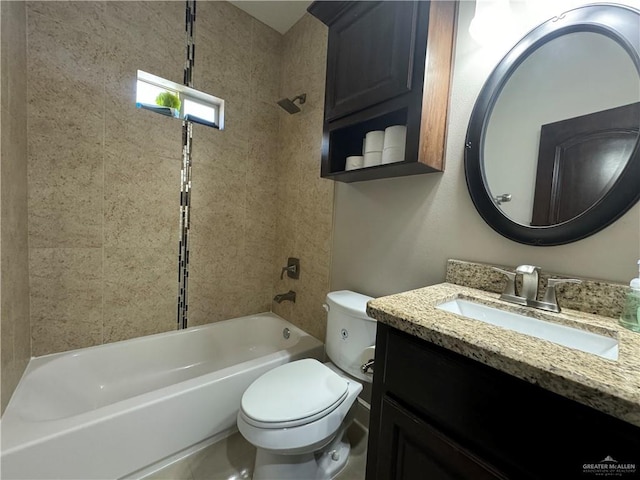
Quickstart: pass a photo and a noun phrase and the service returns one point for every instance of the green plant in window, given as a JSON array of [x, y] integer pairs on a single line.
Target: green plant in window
[[168, 99]]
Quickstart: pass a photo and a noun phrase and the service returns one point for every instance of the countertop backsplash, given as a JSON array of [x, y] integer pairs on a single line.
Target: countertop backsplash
[[590, 296]]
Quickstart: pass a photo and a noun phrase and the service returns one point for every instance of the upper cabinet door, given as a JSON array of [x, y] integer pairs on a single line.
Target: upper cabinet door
[[370, 56]]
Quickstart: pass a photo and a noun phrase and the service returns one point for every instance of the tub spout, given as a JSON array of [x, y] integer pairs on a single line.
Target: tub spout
[[281, 297]]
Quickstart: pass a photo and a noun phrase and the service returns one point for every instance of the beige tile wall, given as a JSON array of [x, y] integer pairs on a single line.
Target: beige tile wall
[[234, 210], [66, 173], [305, 201], [14, 282], [104, 176]]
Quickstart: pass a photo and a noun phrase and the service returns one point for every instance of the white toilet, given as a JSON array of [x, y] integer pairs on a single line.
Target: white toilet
[[297, 414]]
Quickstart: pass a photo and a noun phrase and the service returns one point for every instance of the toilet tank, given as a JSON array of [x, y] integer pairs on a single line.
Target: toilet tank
[[351, 334]]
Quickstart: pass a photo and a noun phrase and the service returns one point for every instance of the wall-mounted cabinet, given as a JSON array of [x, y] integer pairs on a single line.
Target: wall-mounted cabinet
[[388, 63]]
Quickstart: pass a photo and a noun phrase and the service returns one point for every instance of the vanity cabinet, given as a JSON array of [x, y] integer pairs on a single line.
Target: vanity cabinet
[[388, 63], [419, 450], [439, 415]]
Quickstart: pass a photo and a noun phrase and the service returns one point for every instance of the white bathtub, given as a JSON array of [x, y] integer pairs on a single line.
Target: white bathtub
[[107, 411]]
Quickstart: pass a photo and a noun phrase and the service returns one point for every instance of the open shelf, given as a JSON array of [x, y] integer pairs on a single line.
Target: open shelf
[[347, 141]]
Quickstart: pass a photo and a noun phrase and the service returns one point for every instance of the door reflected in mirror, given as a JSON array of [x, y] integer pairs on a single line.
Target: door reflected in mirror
[[562, 129], [579, 161]]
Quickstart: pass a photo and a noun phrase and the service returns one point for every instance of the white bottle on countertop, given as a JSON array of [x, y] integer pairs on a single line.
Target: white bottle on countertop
[[635, 283], [630, 317]]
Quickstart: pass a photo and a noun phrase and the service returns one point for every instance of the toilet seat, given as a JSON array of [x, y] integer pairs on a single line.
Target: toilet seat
[[293, 394], [306, 437]]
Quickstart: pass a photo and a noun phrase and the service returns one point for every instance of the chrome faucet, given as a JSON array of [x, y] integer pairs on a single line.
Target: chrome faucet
[[281, 297], [529, 296], [529, 281]]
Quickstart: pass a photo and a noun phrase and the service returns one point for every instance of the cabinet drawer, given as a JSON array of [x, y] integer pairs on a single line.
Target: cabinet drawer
[[510, 422]]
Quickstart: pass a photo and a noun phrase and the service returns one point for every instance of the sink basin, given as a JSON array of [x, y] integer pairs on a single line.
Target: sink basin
[[589, 342]]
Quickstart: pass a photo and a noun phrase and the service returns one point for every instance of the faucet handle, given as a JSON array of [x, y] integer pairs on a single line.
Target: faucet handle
[[506, 272], [292, 268], [510, 288], [552, 282], [509, 293], [550, 299]]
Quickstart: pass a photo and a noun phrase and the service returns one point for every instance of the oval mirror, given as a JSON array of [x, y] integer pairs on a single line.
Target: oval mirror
[[552, 152]]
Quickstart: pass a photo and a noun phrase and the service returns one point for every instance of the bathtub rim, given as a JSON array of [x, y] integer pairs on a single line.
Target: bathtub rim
[[145, 338], [17, 433]]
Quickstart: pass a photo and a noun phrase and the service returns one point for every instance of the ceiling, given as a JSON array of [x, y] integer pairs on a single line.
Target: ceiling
[[279, 15]]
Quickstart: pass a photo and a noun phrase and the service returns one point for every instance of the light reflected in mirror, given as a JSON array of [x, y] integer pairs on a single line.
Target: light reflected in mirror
[[553, 145]]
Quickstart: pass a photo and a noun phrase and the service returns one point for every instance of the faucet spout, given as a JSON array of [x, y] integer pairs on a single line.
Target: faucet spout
[[529, 281], [289, 296]]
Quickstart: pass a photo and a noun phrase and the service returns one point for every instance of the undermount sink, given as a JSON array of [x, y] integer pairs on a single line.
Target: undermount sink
[[588, 342]]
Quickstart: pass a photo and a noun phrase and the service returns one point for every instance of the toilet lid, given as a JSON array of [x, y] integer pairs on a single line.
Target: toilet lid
[[294, 391]]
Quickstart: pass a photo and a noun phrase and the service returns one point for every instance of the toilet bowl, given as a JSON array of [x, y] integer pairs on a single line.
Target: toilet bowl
[[297, 414]]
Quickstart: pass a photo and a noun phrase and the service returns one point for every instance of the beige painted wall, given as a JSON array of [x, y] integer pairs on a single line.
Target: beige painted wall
[[104, 176], [305, 201], [397, 234], [14, 281]]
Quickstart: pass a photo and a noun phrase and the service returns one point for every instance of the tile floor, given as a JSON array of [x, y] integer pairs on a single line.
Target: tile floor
[[232, 459]]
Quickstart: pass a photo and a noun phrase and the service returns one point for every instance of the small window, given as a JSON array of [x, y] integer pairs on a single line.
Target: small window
[[199, 112], [172, 99], [150, 96]]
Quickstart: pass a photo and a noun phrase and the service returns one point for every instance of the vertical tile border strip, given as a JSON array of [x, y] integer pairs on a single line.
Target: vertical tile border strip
[[185, 175]]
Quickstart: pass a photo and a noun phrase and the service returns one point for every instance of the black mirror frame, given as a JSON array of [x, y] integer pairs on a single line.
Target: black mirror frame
[[623, 26]]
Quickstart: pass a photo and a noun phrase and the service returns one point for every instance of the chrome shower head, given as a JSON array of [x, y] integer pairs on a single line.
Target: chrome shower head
[[290, 106]]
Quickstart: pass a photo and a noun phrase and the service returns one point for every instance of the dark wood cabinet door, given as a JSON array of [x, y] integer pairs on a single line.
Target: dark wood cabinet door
[[413, 449], [370, 55]]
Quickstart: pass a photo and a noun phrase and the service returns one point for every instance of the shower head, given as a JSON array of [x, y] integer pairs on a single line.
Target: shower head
[[290, 106]]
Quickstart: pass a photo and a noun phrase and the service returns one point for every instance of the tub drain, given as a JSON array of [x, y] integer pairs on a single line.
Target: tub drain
[[286, 333]]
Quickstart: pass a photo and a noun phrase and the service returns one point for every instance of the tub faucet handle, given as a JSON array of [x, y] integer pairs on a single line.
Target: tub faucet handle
[[292, 268]]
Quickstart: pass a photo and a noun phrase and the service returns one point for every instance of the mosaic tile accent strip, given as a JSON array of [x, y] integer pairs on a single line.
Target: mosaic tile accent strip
[[185, 175]]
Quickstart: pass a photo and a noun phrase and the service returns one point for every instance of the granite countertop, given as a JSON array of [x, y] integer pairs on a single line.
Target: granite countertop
[[611, 386]]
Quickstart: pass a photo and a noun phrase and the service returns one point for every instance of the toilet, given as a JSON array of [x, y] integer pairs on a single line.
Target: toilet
[[297, 414]]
